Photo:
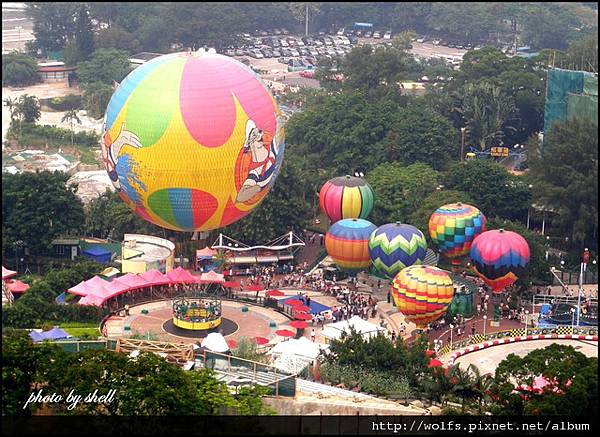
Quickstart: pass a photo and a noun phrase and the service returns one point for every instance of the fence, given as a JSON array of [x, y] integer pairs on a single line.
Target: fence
[[80, 345], [518, 332], [279, 382], [572, 278]]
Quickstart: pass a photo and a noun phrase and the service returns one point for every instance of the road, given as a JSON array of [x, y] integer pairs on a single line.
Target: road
[[17, 29]]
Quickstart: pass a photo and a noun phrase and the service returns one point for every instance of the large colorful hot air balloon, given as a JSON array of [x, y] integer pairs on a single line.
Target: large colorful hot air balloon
[[453, 228], [347, 243], [395, 246], [499, 257], [192, 141], [422, 293], [346, 197]]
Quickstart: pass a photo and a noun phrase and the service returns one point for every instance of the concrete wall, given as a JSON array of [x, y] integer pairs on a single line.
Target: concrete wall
[[293, 407]]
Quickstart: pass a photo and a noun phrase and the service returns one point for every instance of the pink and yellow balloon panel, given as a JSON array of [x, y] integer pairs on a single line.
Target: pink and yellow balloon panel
[[192, 141]]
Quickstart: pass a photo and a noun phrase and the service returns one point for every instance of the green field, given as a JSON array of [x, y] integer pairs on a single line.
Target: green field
[[79, 329]]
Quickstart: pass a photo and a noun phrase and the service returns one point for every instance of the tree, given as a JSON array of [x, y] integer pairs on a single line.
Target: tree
[[96, 97], [305, 11], [53, 24], [572, 379], [564, 170], [488, 113], [29, 108], [106, 66], [399, 190], [403, 40], [84, 35], [118, 38], [493, 189], [420, 135], [38, 207], [375, 71], [71, 116], [19, 70], [221, 260]]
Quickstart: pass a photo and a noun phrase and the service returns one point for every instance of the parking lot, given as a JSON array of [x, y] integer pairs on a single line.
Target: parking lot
[[283, 57]]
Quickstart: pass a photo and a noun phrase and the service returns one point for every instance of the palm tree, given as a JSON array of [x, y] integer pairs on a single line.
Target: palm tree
[[302, 10], [222, 260], [488, 113], [71, 116], [16, 111]]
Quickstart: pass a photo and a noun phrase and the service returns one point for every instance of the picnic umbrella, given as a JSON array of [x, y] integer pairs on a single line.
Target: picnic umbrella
[[274, 293], [302, 316], [293, 302], [261, 340], [298, 324], [232, 344], [284, 333], [231, 284], [254, 287], [435, 363], [429, 353]]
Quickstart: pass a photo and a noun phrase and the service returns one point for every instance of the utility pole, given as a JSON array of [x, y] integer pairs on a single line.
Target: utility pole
[[306, 28]]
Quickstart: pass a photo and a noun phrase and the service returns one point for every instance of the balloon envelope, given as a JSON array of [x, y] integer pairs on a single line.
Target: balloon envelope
[[192, 141], [499, 257], [346, 197], [422, 293], [454, 226], [347, 243], [395, 246]]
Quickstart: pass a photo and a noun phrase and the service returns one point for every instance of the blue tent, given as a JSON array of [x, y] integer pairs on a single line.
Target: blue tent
[[315, 307], [98, 254], [53, 334]]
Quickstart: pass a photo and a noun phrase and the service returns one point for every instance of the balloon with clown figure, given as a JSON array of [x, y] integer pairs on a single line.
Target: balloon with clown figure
[[192, 141]]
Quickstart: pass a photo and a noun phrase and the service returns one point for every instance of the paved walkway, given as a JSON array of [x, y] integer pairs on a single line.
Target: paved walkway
[[487, 360]]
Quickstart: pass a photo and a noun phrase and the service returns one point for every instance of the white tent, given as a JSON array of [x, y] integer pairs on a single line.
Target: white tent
[[215, 342], [367, 329], [293, 356], [303, 348]]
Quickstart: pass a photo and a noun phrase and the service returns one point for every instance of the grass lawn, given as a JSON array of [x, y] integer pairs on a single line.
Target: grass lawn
[[79, 329]]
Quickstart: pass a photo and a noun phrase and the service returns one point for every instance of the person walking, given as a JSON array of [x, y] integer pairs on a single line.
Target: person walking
[[313, 334]]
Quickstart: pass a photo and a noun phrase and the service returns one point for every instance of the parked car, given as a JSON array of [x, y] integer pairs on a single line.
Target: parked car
[[387, 35], [283, 43], [276, 53], [341, 31], [376, 35], [277, 31], [313, 51], [368, 34], [303, 52], [294, 52], [309, 74], [359, 33], [285, 32]]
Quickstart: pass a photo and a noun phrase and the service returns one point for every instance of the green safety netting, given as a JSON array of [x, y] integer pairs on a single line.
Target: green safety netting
[[570, 94]]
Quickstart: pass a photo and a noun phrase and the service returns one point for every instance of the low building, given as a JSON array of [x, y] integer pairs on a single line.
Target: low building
[[141, 253], [55, 71], [143, 57], [66, 247]]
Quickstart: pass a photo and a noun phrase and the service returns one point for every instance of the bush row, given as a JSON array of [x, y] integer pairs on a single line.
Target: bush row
[[39, 135]]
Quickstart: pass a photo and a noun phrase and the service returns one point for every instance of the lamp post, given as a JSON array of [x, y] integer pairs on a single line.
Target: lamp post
[[462, 143], [573, 310], [451, 329], [484, 324], [583, 268], [526, 320], [529, 208]]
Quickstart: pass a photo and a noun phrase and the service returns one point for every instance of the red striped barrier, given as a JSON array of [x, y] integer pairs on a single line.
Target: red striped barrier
[[503, 341]]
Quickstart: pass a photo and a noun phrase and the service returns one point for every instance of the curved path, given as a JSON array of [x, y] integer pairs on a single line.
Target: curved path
[[487, 360]]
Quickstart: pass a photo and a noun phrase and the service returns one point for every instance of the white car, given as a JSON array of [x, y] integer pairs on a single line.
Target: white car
[[294, 52], [341, 31], [283, 43], [387, 35]]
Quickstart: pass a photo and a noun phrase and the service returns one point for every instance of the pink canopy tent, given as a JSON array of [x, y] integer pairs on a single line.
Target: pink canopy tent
[[17, 287], [8, 273], [134, 281], [81, 289], [154, 277], [211, 278], [206, 252], [92, 299], [97, 283], [181, 276]]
